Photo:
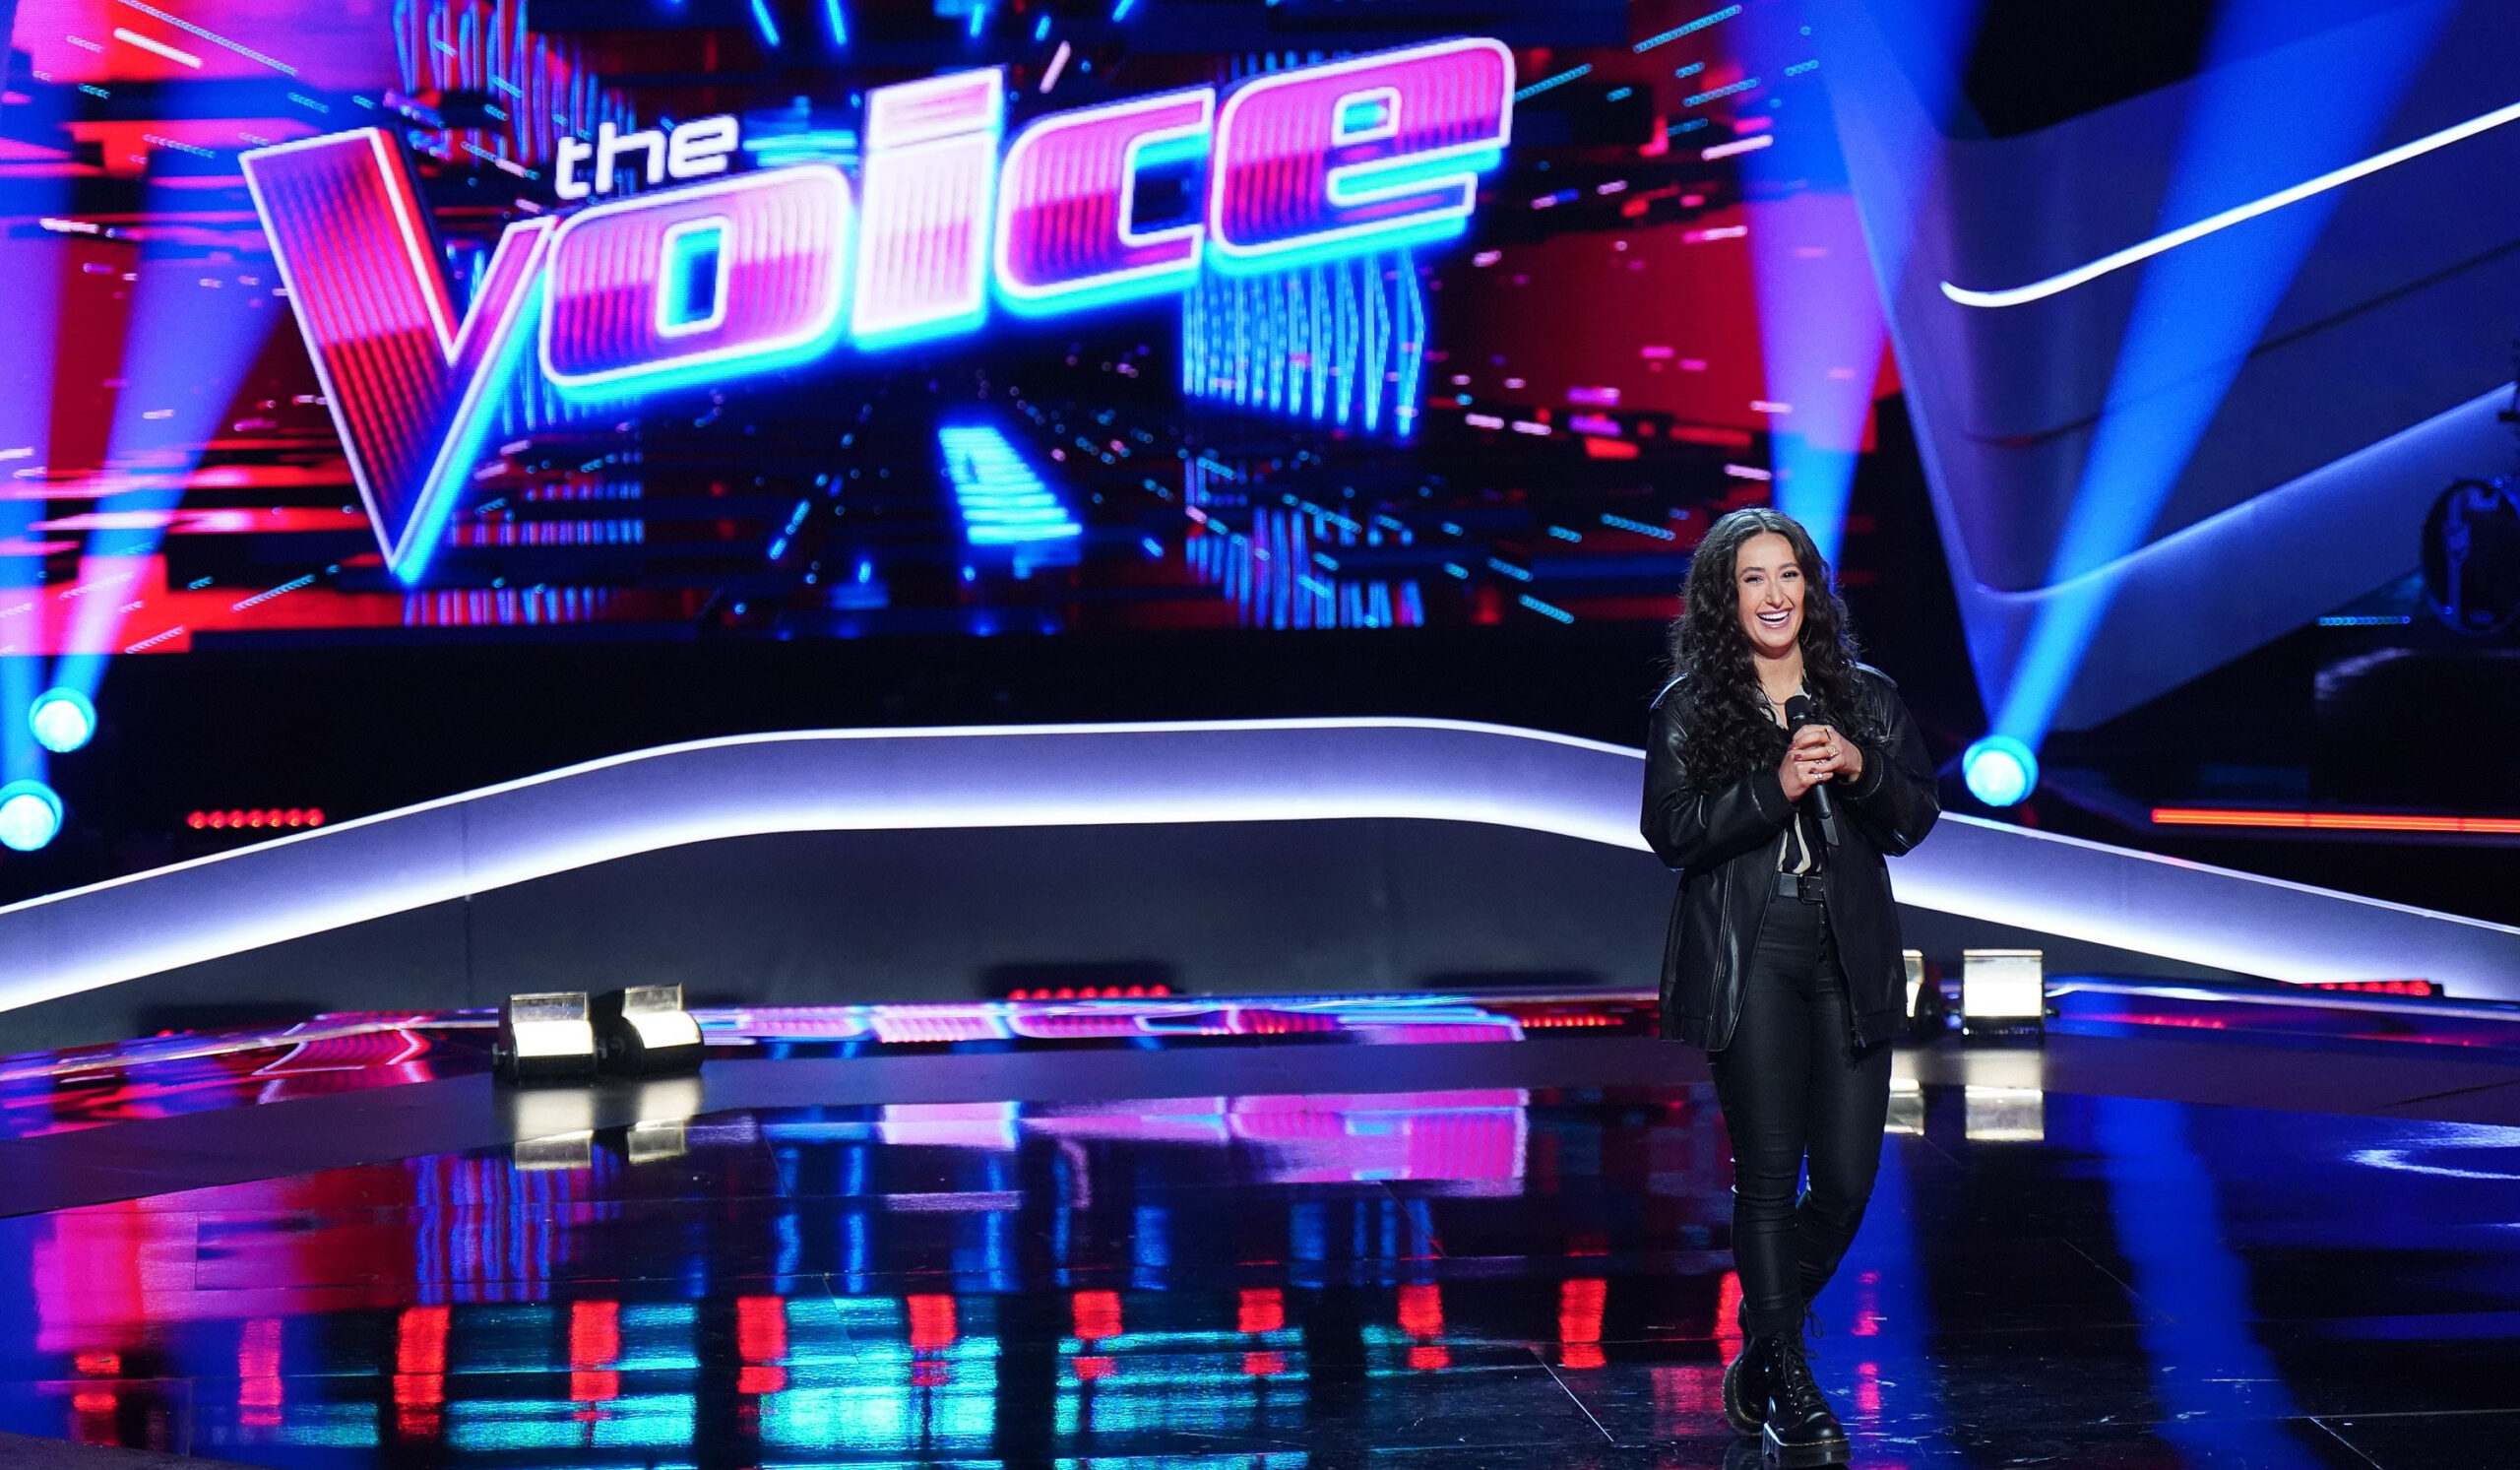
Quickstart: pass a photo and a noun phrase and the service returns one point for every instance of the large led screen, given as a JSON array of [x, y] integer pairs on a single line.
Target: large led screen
[[390, 321]]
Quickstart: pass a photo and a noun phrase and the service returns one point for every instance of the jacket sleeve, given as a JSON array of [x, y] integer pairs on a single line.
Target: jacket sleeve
[[1896, 798], [1689, 828]]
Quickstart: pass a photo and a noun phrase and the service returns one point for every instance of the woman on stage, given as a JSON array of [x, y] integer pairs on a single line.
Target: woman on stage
[[1779, 773]]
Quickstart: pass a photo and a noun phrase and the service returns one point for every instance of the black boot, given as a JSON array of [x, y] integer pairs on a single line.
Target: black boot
[[1747, 1381], [1801, 1430]]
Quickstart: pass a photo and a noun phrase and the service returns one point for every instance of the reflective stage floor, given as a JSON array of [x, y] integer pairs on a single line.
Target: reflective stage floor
[[2189, 1230]]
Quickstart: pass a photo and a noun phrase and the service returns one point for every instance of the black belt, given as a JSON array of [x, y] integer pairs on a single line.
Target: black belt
[[1806, 886]]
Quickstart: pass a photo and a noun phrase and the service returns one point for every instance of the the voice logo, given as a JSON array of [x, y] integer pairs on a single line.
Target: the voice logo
[[744, 271]]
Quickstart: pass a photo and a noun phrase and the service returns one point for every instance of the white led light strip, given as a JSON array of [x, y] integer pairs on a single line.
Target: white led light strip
[[2039, 290], [1228, 771]]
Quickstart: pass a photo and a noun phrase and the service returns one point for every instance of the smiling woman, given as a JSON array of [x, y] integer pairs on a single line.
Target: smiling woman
[[1782, 952]]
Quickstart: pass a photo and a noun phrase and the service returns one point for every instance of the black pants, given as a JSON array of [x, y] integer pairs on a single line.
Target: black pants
[[1793, 1090]]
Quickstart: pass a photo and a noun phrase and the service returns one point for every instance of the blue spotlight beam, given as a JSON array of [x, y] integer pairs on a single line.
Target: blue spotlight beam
[[2223, 1396], [22, 756], [30, 269], [187, 349], [2198, 311], [1821, 328]]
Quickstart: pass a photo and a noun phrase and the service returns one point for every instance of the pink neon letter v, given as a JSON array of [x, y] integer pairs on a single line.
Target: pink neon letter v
[[409, 388]]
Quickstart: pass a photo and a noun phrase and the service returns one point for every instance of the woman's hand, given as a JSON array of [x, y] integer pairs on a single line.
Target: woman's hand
[[1819, 752], [1802, 764], [1835, 755]]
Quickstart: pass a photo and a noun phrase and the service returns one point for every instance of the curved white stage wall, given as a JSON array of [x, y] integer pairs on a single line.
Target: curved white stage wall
[[1048, 775]]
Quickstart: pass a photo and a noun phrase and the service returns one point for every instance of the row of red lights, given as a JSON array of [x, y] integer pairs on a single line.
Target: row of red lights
[[1093, 993], [266, 816]]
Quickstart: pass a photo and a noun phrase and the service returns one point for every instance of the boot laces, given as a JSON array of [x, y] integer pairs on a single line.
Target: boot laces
[[1791, 1369]]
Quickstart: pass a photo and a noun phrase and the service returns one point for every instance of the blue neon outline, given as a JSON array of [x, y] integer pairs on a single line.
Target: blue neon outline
[[899, 336], [836, 21], [1386, 102], [1152, 149], [373, 138], [769, 27], [420, 246], [1429, 232], [436, 501], [62, 694], [467, 434], [468, 425], [1478, 157], [675, 287], [736, 361], [1390, 182]]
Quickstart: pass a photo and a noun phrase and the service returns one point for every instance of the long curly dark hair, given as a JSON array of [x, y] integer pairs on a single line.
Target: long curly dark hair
[[1721, 709]]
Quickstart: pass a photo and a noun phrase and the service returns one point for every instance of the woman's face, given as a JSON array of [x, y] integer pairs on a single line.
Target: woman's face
[[1769, 583]]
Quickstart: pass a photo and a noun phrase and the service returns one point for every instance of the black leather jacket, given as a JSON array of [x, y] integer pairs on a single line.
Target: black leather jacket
[[1724, 842]]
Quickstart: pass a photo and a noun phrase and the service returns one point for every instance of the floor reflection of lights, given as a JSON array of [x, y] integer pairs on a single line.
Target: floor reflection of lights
[[1517, 1275]]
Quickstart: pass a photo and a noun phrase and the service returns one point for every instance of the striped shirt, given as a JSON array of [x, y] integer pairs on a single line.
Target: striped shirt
[[1796, 852]]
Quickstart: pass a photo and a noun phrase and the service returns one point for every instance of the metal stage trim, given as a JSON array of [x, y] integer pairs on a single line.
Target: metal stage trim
[[1234, 771]]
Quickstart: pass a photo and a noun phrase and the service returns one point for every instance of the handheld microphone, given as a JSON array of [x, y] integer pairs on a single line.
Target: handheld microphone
[[1798, 713]]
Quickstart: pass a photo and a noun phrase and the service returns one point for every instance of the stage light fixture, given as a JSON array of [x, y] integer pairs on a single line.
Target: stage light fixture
[[29, 815], [545, 1037], [2001, 771], [62, 720], [2002, 989], [644, 1029]]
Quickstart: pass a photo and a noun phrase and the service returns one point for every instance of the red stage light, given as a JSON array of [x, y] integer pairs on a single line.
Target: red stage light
[[263, 816]]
